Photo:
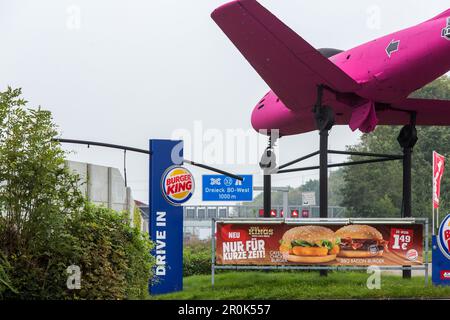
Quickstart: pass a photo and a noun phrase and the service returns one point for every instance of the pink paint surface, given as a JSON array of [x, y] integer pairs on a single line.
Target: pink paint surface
[[365, 84]]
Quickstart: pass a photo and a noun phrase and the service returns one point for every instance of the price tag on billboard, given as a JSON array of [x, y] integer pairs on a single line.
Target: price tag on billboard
[[401, 239]]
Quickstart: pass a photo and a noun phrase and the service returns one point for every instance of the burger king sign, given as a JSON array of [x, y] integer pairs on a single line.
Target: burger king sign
[[441, 254], [444, 237], [177, 185]]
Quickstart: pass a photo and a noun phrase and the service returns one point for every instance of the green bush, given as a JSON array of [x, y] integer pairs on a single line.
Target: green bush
[[197, 258], [46, 226], [114, 258], [5, 282]]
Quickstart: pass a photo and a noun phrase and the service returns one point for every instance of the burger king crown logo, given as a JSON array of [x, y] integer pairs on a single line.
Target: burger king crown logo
[[444, 237], [177, 185]]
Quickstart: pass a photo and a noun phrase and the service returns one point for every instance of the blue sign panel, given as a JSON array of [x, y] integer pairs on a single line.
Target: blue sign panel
[[166, 219], [441, 254], [218, 187]]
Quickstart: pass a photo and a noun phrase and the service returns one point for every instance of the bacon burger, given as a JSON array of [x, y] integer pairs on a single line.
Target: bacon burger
[[309, 244], [360, 241]]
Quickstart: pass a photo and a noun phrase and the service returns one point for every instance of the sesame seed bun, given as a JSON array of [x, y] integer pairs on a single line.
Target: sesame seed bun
[[310, 234], [311, 259], [359, 231]]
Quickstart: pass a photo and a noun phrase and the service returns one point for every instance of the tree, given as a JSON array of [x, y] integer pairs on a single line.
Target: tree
[[37, 192], [376, 189], [46, 225], [37, 189]]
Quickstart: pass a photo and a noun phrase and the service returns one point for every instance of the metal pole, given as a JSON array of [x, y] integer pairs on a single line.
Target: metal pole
[[102, 144], [267, 195], [342, 164], [299, 160], [126, 148], [213, 249], [407, 182], [426, 252], [366, 154], [323, 176], [432, 221], [337, 268], [204, 166], [406, 212], [437, 218], [125, 167], [433, 228], [266, 164]]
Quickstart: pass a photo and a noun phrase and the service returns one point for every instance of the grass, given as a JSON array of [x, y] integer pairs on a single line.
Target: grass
[[302, 285]]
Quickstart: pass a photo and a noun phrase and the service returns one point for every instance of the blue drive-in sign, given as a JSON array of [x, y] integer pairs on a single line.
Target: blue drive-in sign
[[218, 187]]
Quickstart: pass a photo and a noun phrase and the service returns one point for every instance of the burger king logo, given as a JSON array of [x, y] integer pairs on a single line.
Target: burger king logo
[[412, 255], [444, 237], [177, 185]]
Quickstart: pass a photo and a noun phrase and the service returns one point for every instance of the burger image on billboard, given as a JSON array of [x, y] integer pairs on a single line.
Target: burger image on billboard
[[360, 241], [309, 244], [177, 185]]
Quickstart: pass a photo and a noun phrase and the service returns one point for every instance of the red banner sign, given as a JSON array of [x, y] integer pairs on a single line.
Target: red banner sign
[[340, 245], [438, 171]]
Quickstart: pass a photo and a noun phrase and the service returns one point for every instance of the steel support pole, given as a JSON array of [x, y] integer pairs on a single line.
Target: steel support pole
[[406, 212], [407, 138], [267, 195], [323, 180], [266, 164], [323, 175], [286, 204], [213, 250], [324, 117], [426, 252]]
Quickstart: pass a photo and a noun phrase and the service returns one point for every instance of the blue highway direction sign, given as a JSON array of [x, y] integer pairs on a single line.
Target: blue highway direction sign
[[218, 187]]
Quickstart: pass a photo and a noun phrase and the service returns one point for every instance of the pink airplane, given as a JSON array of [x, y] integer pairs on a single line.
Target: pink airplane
[[362, 87]]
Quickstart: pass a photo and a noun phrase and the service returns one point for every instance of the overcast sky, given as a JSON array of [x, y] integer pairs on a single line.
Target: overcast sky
[[126, 71]]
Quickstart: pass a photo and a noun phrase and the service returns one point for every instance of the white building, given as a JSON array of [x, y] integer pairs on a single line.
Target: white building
[[105, 186]]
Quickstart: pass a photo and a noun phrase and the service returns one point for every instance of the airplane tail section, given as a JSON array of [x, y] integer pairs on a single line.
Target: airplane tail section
[[285, 61]]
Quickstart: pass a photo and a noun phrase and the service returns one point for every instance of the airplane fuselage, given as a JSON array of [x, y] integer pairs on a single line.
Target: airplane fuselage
[[392, 67], [387, 69]]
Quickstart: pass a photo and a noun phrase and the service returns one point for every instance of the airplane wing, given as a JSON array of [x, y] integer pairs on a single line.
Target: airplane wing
[[429, 112], [285, 61]]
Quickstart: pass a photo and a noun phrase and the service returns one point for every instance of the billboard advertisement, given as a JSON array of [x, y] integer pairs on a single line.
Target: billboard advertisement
[[334, 245]]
